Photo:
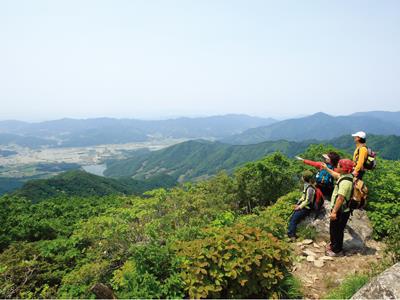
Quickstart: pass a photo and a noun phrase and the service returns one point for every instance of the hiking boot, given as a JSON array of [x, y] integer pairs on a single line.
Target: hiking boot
[[292, 238], [334, 254]]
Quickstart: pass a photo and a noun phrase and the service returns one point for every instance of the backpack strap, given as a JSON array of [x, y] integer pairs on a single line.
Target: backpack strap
[[306, 194], [352, 187], [358, 152]]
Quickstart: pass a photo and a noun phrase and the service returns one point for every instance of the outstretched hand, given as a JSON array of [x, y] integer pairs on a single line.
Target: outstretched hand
[[324, 165], [299, 158]]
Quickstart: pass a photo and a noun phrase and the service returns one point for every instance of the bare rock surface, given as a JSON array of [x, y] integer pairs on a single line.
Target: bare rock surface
[[385, 286], [357, 232], [102, 291], [320, 273]]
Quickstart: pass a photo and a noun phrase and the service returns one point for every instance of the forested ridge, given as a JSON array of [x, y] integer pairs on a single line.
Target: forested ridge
[[79, 183], [199, 158], [224, 237]]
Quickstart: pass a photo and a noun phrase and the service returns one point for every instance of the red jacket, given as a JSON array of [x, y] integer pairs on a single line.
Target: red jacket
[[316, 164]]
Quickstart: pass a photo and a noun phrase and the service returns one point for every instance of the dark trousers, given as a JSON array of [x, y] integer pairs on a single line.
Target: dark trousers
[[326, 191], [360, 175], [295, 219], [336, 230]]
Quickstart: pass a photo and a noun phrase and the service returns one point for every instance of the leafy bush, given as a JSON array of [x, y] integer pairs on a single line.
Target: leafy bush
[[384, 195], [150, 273], [224, 219], [261, 183], [393, 240], [273, 219], [78, 282], [234, 262], [24, 273], [23, 221]]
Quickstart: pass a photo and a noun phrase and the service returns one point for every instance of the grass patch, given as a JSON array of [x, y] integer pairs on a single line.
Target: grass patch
[[291, 288], [306, 232], [329, 282], [349, 286]]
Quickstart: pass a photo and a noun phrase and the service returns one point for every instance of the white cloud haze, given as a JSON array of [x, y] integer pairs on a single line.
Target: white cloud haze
[[152, 59]]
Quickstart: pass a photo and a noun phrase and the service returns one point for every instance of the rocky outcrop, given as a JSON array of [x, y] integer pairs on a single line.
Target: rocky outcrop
[[385, 286], [357, 232], [102, 291]]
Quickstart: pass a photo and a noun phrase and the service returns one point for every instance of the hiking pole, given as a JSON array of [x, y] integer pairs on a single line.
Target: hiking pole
[[290, 215]]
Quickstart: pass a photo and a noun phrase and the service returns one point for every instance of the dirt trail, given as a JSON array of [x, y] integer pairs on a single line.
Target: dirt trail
[[319, 273]]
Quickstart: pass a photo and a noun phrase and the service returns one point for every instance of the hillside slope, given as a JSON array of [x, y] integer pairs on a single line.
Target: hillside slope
[[193, 159], [83, 184], [197, 158]]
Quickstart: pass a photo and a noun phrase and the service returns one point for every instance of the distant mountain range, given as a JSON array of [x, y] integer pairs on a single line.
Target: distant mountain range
[[232, 129], [320, 126], [198, 158], [80, 133]]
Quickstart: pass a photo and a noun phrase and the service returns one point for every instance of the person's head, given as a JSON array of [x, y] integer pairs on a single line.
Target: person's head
[[345, 166], [308, 176], [360, 137], [333, 158]]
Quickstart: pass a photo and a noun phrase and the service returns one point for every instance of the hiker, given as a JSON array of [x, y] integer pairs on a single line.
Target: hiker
[[324, 179], [303, 206], [340, 211], [360, 155]]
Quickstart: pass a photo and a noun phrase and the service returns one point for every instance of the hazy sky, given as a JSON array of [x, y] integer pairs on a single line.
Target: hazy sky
[[156, 59]]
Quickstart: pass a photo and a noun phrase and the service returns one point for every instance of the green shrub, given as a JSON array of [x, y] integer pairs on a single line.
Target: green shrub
[[24, 273], [77, 283], [273, 219], [262, 182], [234, 262], [224, 219], [384, 195], [393, 240], [151, 272], [348, 287]]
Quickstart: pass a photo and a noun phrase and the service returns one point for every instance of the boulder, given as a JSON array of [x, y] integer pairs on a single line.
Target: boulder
[[385, 286], [319, 263], [310, 258], [357, 232], [102, 291], [307, 242]]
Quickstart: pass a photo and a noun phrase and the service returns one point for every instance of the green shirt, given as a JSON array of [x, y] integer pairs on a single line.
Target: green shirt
[[344, 188]]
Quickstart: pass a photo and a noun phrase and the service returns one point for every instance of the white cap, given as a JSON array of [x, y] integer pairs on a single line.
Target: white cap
[[325, 156], [360, 134]]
